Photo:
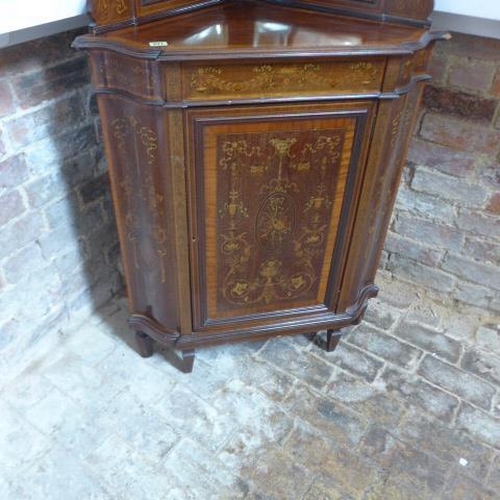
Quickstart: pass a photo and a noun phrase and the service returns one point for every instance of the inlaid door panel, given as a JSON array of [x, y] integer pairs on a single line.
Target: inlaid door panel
[[274, 188]]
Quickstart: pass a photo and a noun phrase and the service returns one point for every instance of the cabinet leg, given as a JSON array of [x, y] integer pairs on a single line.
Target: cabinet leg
[[332, 339], [182, 360], [187, 361], [330, 342], [145, 344]]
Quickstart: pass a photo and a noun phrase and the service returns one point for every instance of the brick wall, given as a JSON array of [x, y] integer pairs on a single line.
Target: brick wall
[[58, 245], [445, 232]]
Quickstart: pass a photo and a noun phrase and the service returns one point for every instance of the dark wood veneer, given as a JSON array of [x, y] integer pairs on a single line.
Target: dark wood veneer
[[112, 14], [255, 150]]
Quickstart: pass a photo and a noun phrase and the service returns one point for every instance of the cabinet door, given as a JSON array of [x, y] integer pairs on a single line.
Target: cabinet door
[[272, 192]]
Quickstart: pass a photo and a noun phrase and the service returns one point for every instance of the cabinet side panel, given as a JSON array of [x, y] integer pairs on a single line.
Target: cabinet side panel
[[142, 193], [408, 119], [395, 122]]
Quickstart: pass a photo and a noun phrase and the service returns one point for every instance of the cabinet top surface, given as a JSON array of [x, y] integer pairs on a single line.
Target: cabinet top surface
[[259, 29]]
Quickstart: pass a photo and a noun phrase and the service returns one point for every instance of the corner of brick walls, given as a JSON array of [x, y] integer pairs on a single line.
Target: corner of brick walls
[[58, 244], [445, 232]]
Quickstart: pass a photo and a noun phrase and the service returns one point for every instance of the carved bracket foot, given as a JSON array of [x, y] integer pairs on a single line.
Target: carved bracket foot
[[182, 360], [165, 339], [145, 344], [187, 361], [358, 320]]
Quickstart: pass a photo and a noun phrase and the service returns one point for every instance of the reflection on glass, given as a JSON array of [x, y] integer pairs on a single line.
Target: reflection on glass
[[269, 33], [305, 37], [216, 34]]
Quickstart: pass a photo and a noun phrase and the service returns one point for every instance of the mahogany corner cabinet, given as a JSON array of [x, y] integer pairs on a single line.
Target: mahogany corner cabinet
[[255, 150]]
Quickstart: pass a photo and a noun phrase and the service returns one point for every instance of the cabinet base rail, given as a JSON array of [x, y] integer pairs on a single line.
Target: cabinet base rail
[[180, 348]]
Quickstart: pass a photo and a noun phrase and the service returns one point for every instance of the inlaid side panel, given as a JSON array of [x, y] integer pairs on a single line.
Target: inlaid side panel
[[128, 74], [138, 164], [395, 122], [271, 192]]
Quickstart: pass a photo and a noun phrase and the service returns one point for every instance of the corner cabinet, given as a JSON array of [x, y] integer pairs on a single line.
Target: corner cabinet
[[255, 150]]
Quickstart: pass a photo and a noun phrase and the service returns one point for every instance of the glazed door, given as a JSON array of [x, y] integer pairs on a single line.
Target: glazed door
[[272, 191]]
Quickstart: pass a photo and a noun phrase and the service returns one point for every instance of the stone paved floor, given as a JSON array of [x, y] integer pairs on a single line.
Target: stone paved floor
[[408, 407]]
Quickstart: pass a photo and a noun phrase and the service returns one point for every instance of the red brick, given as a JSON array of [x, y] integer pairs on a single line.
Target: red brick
[[33, 55], [456, 381], [21, 264], [12, 206], [438, 67], [428, 232], [459, 133], [463, 191], [7, 105], [45, 190], [479, 223], [425, 206], [50, 83], [384, 346], [13, 172], [476, 272], [446, 160], [474, 295], [46, 121], [494, 204], [459, 103], [496, 122], [472, 74], [482, 250], [94, 189], [495, 87], [490, 174], [469, 46], [479, 424], [21, 232], [461, 487], [3, 149], [412, 250]]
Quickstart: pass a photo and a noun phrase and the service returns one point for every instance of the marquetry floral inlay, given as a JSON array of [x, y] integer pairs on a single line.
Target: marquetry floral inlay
[[267, 182], [141, 75], [138, 146], [282, 78]]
